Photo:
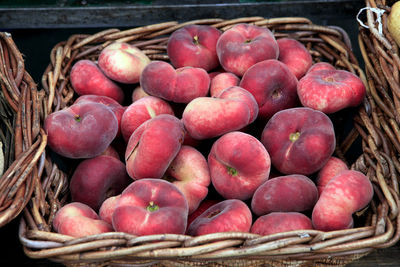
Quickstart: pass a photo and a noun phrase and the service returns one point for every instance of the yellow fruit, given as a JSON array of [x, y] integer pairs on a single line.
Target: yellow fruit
[[394, 22]]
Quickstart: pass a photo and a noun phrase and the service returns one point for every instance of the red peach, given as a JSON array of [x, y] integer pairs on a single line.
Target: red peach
[[273, 86], [333, 167], [122, 62], [82, 130], [79, 220], [190, 141], [295, 55], [239, 164], [194, 46], [153, 146], [115, 107], [107, 208], [204, 205], [321, 66], [330, 90], [243, 45], [180, 85], [299, 140], [278, 222], [207, 117], [290, 193], [189, 172], [110, 151], [222, 81], [214, 73], [140, 111], [345, 194], [87, 79], [237, 93], [138, 93], [230, 215], [98, 178], [151, 206]]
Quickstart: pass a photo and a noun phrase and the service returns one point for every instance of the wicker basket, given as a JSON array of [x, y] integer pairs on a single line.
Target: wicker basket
[[374, 129], [22, 142]]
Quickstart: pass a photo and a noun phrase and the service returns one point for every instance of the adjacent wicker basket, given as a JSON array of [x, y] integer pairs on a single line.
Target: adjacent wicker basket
[[23, 143], [375, 127]]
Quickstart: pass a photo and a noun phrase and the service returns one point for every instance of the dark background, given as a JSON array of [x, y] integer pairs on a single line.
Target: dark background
[[36, 26]]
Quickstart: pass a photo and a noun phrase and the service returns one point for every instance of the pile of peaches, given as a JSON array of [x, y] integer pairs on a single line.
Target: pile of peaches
[[170, 147]]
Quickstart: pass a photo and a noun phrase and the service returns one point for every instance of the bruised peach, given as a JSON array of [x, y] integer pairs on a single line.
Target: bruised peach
[[230, 215]]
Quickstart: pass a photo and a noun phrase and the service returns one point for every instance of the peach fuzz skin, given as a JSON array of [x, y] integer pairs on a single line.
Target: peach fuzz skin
[[98, 178], [111, 151], [140, 111], [194, 46], [299, 140], [289, 193], [151, 206], [333, 167], [107, 208], [346, 193], [273, 85], [230, 215], [115, 107], [294, 55], [222, 81], [330, 90], [181, 85], [82, 130], [138, 93], [79, 220], [207, 117], [123, 62], [189, 172], [278, 222], [88, 79], [239, 164], [153, 146], [243, 45]]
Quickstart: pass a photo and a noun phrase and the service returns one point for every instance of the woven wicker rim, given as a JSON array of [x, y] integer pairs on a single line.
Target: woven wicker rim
[[22, 138], [375, 123]]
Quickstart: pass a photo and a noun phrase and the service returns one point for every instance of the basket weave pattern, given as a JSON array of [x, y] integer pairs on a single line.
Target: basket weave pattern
[[22, 139], [375, 123]]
